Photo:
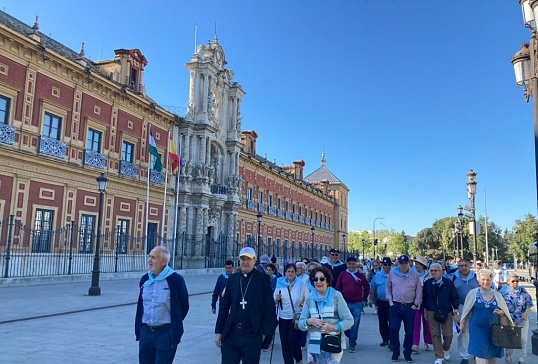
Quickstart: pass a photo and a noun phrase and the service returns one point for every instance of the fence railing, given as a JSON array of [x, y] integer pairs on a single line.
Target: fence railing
[[27, 252]]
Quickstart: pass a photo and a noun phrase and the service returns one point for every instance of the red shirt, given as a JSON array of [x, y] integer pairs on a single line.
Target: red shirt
[[354, 291]]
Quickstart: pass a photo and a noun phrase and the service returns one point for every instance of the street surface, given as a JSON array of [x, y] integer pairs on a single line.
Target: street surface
[[57, 323]]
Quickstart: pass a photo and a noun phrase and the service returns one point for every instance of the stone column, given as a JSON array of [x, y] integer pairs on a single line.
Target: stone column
[[198, 235]]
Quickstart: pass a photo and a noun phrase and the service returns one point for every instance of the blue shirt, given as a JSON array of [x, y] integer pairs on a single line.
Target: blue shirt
[[517, 302], [156, 301], [378, 284]]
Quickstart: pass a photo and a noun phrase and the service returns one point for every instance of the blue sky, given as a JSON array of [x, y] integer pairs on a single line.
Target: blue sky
[[404, 96]]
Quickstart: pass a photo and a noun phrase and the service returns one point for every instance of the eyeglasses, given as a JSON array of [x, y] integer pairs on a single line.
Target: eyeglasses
[[514, 282], [434, 270], [321, 279], [386, 264], [335, 254]]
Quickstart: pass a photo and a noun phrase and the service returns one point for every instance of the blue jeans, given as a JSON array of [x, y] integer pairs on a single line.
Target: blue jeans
[[353, 333], [397, 314]]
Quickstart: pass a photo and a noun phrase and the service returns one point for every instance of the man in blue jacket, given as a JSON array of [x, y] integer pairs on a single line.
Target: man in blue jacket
[[222, 281], [163, 303]]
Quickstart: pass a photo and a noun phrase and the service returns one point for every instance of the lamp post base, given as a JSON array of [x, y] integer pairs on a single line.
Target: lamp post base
[[94, 291]]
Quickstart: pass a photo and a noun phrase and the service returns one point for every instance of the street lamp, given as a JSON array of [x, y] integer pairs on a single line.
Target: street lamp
[[259, 219], [471, 193], [375, 242], [312, 229], [362, 248], [525, 64], [95, 290], [344, 250], [460, 221]]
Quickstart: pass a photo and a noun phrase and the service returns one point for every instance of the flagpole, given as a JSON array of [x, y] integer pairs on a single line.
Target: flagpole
[[165, 186], [147, 194], [177, 207]]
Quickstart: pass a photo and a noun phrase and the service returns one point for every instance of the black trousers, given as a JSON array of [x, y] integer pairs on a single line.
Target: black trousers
[[290, 341], [383, 318], [241, 347]]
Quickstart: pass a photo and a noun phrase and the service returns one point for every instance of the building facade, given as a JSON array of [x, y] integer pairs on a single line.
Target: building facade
[[64, 120]]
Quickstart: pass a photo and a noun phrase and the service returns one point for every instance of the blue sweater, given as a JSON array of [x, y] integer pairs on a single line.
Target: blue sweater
[[179, 306]]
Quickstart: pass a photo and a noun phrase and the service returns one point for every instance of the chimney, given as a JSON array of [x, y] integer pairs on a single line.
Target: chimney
[[298, 169], [248, 139]]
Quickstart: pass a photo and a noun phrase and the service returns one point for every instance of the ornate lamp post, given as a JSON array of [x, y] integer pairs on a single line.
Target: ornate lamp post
[[312, 229], [471, 193], [362, 248], [375, 241], [460, 220], [525, 64], [344, 248], [95, 290], [259, 219]]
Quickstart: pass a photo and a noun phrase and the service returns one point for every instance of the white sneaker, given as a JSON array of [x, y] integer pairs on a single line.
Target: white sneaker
[[446, 355], [438, 361]]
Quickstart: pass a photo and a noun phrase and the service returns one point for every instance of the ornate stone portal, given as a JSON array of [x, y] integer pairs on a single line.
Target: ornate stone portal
[[210, 145]]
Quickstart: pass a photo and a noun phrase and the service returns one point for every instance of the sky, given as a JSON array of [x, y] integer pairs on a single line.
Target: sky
[[404, 97]]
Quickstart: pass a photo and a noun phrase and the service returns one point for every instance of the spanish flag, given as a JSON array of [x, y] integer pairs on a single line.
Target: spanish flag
[[172, 154]]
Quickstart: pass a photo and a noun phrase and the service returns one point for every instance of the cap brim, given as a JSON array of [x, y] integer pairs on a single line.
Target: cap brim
[[248, 255]]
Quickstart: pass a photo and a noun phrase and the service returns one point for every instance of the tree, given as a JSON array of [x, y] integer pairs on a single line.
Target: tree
[[524, 235]]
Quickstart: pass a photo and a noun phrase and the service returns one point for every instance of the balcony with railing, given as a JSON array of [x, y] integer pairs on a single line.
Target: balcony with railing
[[94, 159], [261, 207], [7, 134], [219, 189], [271, 210], [156, 177], [287, 215], [250, 204], [128, 169], [279, 212], [52, 147]]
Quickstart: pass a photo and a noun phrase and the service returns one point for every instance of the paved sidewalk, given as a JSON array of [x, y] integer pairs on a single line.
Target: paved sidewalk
[[33, 328]]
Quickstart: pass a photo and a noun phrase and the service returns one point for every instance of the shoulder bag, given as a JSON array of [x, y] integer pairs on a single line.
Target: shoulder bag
[[330, 343], [296, 315], [506, 336]]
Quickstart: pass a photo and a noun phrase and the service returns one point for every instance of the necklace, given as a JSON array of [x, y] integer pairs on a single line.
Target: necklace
[[243, 302]]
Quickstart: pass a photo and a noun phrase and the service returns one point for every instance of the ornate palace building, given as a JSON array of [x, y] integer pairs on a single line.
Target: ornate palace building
[[285, 214], [64, 120]]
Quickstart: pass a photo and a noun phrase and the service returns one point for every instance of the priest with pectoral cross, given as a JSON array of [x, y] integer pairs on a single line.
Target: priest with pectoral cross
[[247, 321]]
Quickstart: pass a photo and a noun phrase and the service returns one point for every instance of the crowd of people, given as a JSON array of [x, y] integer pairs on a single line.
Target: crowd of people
[[318, 306]]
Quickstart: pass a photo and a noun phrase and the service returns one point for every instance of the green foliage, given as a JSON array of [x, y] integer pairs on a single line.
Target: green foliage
[[524, 234]]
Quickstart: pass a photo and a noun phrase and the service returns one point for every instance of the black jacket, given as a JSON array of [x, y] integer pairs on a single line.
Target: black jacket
[[447, 298], [179, 306], [219, 287], [260, 306], [335, 271]]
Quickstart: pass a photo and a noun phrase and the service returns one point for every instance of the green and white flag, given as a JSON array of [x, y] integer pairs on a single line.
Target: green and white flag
[[158, 165]]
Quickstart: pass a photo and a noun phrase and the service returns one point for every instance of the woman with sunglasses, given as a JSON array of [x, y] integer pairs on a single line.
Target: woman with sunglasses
[[519, 303], [325, 312]]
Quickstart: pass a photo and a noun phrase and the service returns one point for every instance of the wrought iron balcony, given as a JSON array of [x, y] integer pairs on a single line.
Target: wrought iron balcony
[[7, 134], [301, 218], [307, 220], [294, 217], [128, 169], [219, 189], [250, 204], [271, 210], [261, 206], [94, 159], [279, 212], [51, 146], [156, 177], [287, 215]]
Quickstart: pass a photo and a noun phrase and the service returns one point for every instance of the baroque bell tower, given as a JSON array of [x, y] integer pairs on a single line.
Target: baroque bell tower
[[210, 137]]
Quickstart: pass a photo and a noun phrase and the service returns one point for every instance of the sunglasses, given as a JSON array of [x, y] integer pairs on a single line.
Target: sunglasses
[[335, 254], [386, 264], [434, 270], [514, 281], [321, 279]]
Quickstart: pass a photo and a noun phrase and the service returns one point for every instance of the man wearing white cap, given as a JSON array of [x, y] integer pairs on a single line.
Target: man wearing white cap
[[246, 320]]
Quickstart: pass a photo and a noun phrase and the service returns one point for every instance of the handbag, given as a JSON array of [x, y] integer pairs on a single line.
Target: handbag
[[440, 316], [296, 315], [506, 336], [331, 343]]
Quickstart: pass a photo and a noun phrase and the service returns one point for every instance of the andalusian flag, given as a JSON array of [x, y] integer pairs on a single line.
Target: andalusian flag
[[158, 165], [172, 154]]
